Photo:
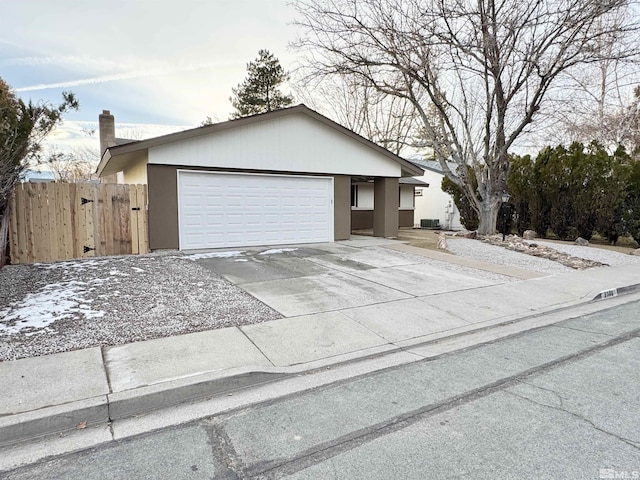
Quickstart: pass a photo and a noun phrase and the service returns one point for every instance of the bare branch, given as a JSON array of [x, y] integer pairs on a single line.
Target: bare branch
[[477, 71]]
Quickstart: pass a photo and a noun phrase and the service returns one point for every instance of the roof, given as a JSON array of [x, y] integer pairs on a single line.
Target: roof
[[37, 176], [134, 149], [412, 181], [432, 165]]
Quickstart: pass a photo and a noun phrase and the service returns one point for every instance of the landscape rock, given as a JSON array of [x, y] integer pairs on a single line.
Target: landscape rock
[[635, 252], [442, 241], [515, 243], [529, 235], [472, 235], [582, 242]]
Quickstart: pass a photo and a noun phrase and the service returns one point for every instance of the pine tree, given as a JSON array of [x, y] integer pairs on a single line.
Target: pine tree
[[260, 93]]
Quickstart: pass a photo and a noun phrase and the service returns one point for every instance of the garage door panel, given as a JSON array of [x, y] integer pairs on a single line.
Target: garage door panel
[[253, 219], [192, 202], [195, 238], [193, 220], [223, 210]]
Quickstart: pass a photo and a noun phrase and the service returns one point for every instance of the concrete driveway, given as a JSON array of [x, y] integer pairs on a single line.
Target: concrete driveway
[[320, 278], [368, 295], [344, 296]]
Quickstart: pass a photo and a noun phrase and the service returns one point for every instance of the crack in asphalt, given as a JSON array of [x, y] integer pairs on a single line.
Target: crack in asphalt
[[632, 443], [561, 399], [584, 331]]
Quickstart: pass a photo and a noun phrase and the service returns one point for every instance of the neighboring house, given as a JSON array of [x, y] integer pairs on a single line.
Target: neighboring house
[[432, 203], [281, 177], [37, 176], [362, 205]]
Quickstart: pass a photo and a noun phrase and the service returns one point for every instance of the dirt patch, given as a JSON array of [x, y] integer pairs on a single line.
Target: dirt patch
[[413, 236], [421, 238]]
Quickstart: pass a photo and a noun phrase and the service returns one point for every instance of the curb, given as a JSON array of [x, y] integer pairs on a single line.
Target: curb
[[615, 292], [167, 394], [103, 409], [52, 420]]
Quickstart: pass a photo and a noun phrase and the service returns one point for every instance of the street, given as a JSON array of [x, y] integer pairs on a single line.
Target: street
[[558, 402]]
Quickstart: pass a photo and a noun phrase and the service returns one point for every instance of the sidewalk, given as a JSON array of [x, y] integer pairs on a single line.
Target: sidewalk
[[61, 392]]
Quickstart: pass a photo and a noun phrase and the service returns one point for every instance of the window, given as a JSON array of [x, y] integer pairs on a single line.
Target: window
[[354, 195]]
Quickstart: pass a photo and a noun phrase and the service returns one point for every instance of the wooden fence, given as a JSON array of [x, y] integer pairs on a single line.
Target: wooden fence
[[61, 221]]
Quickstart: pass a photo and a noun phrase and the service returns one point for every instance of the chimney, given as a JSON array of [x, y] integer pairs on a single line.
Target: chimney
[[107, 130]]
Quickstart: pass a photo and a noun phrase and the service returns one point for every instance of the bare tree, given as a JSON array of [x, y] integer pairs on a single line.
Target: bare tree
[[604, 107], [485, 66], [386, 120], [77, 165]]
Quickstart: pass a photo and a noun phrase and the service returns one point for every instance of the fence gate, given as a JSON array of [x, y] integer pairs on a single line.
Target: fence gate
[[61, 221]]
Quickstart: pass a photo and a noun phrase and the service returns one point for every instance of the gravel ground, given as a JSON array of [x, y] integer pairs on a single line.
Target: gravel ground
[[493, 254], [50, 308], [592, 253]]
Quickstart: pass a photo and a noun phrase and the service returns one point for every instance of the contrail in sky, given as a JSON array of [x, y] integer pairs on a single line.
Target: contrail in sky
[[85, 81], [120, 76]]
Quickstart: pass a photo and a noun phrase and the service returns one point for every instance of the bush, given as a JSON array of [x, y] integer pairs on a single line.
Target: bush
[[631, 203], [573, 192], [520, 185], [468, 214]]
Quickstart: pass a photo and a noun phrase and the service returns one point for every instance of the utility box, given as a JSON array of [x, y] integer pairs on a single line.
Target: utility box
[[430, 223]]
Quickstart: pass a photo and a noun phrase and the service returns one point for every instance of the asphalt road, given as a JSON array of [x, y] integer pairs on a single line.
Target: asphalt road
[[557, 402]]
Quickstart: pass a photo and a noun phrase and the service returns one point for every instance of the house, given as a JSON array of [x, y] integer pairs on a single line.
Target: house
[[362, 202], [433, 203], [276, 178], [37, 176]]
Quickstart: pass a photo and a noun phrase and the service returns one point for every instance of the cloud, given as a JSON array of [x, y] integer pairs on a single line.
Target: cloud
[[148, 72], [74, 134], [72, 138], [66, 60]]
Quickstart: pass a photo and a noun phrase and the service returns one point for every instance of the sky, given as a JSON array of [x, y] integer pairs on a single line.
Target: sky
[[157, 65]]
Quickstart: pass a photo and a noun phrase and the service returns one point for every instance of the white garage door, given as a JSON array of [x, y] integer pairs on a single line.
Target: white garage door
[[233, 210]]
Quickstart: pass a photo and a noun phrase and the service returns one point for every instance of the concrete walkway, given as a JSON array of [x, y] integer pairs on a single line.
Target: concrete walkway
[[467, 262], [331, 316]]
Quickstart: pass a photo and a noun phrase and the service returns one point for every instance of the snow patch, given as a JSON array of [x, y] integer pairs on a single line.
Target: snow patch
[[73, 265], [277, 250], [115, 272], [38, 310], [241, 260], [136, 269], [229, 254]]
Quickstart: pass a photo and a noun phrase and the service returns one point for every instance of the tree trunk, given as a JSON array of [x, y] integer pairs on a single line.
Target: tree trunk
[[4, 236], [488, 216]]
